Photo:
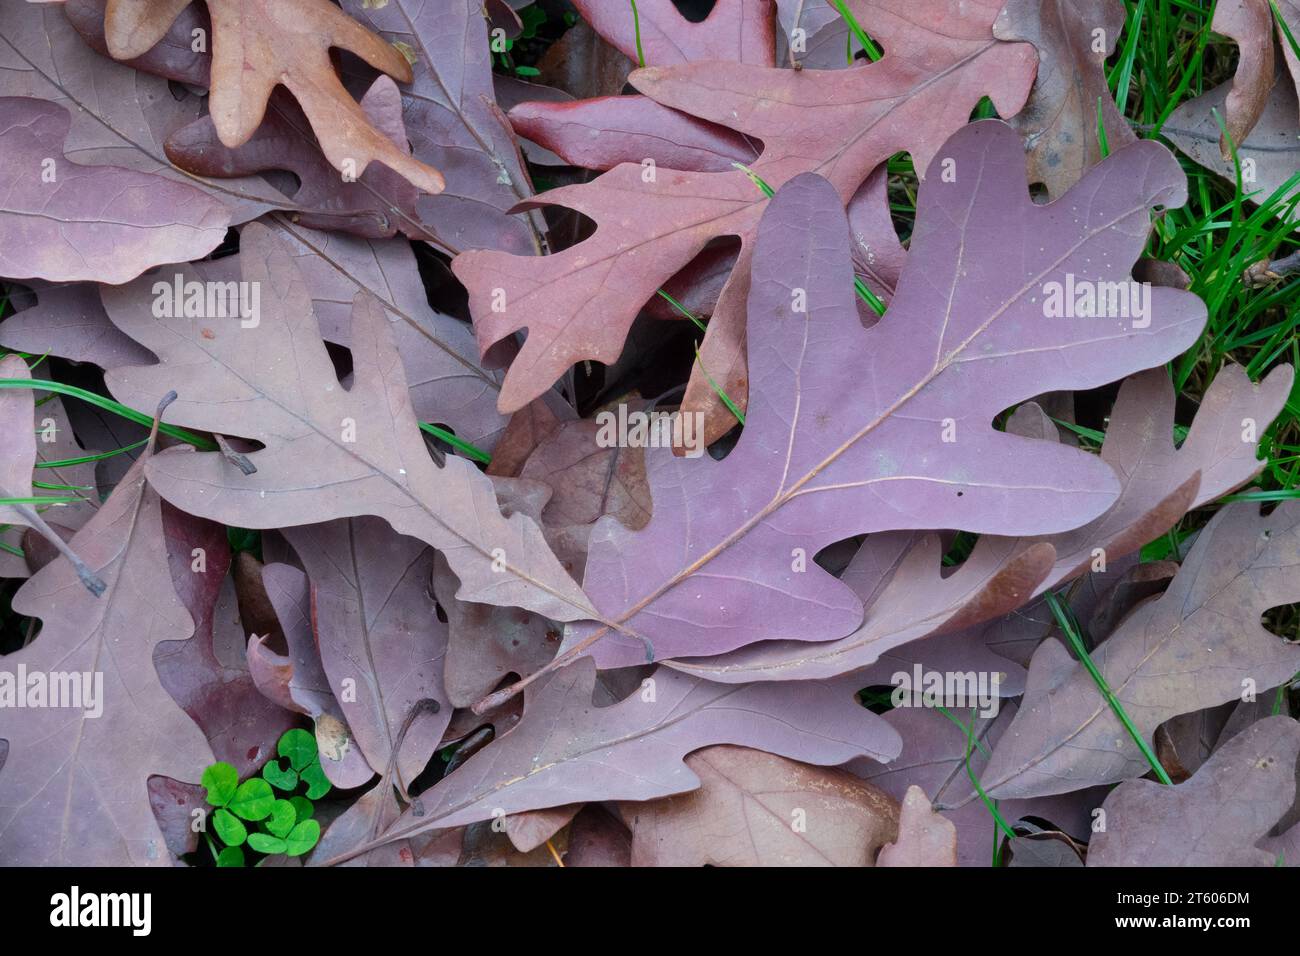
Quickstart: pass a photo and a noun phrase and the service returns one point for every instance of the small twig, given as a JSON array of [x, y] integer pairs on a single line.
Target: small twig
[[555, 855], [1264, 273]]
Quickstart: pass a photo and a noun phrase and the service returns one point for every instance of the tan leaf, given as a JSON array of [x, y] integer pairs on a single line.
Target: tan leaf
[[260, 44]]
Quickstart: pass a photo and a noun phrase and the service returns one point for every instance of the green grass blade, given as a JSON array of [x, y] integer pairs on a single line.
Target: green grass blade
[[867, 44], [636, 25], [117, 408], [1065, 622]]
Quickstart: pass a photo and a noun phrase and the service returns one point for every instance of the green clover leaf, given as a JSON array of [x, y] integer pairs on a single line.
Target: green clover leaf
[[265, 843], [229, 828], [231, 856], [220, 780], [300, 747], [283, 817], [302, 838], [253, 800], [317, 783], [278, 776]]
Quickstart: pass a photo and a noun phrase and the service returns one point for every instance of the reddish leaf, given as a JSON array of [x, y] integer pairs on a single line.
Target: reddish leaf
[[579, 303]]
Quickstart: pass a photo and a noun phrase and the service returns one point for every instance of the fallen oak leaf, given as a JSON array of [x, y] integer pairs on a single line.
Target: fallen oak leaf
[[841, 124], [759, 809], [485, 643], [67, 222], [1272, 146], [378, 202], [939, 757], [601, 131], [375, 204], [512, 91], [1159, 483], [381, 644], [208, 674], [1185, 742], [328, 452], [590, 477], [583, 64], [534, 828], [68, 321], [1059, 123], [174, 55], [1290, 18], [1189, 649], [86, 763], [597, 838], [297, 680], [484, 844], [1137, 583], [840, 413], [1285, 847], [371, 813], [1250, 23], [446, 381], [823, 35], [741, 31], [918, 601], [1051, 849], [925, 838], [1217, 818], [454, 124], [18, 445], [1017, 635], [257, 612], [120, 117], [259, 44], [566, 750], [174, 805], [56, 444]]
